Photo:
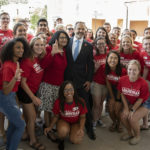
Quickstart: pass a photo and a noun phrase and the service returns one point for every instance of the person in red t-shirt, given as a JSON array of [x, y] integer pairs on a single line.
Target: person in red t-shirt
[[31, 79], [107, 26], [89, 36], [25, 22], [69, 114], [136, 102], [54, 64], [98, 87], [113, 40], [5, 33], [134, 35], [19, 30], [42, 26], [113, 72], [127, 53], [146, 73], [117, 31], [101, 31], [10, 75]]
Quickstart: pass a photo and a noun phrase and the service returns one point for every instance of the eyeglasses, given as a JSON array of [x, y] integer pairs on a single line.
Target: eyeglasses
[[62, 38], [69, 28], [68, 90]]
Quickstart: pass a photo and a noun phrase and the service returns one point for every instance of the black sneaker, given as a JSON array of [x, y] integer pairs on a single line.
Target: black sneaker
[[91, 135], [61, 145]]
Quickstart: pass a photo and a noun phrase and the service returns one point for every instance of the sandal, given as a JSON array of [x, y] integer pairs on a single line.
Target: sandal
[[144, 127], [52, 136], [112, 128], [37, 146]]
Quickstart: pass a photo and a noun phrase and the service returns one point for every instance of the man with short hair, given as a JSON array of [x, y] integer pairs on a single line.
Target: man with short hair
[[5, 33], [69, 30], [117, 31], [42, 26], [80, 69]]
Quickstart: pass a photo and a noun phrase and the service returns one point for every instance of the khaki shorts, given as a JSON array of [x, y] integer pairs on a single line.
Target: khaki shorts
[[98, 89]]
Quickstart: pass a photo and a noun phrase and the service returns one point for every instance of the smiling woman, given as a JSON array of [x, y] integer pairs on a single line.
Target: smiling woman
[[69, 114], [10, 75], [19, 30], [136, 102], [54, 64]]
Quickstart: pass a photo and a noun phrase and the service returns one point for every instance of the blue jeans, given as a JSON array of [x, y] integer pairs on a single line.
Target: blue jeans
[[9, 107]]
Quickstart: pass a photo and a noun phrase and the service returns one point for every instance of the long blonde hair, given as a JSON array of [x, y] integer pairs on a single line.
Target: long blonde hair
[[121, 48]]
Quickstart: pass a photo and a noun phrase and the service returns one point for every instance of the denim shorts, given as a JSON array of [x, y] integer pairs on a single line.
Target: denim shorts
[[146, 104]]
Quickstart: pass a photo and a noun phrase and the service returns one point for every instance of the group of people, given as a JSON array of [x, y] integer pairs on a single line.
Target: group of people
[[68, 73]]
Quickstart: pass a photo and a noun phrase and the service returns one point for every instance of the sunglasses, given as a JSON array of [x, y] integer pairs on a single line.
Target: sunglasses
[[69, 28]]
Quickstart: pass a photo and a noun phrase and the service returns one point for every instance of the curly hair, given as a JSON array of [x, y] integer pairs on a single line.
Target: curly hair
[[7, 50]]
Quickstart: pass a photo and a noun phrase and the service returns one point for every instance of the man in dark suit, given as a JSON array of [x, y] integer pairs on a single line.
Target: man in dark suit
[[80, 69]]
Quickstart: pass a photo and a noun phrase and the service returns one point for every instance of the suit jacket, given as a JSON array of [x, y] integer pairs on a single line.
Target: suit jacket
[[82, 69]]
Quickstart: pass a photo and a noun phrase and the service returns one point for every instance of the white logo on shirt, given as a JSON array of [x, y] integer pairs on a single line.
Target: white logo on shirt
[[113, 78], [130, 92], [37, 68]]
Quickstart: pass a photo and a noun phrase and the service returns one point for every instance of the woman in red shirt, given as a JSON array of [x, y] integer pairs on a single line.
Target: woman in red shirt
[[54, 65], [136, 102], [31, 79], [98, 86], [127, 53], [10, 75], [113, 72], [101, 31], [89, 36], [69, 114]]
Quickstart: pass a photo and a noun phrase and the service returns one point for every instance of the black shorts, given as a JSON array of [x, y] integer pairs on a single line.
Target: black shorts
[[23, 96], [115, 91]]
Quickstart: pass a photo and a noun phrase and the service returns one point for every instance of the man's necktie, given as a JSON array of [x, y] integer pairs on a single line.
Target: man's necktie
[[76, 50]]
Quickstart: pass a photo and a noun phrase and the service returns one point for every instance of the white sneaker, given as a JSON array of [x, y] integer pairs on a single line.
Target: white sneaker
[[94, 125]]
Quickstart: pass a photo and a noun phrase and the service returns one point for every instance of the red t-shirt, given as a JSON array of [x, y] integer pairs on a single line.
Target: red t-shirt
[[71, 113], [146, 60], [48, 39], [33, 72], [101, 58], [133, 90], [99, 75], [113, 78], [29, 37], [7, 72], [125, 58], [139, 45], [5, 36], [54, 67], [116, 48], [89, 40], [118, 41]]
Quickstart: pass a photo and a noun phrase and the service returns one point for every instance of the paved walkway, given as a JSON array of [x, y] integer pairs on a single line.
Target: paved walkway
[[106, 140]]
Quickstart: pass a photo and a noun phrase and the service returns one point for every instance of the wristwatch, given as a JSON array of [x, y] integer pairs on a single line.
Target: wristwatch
[[132, 110]]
